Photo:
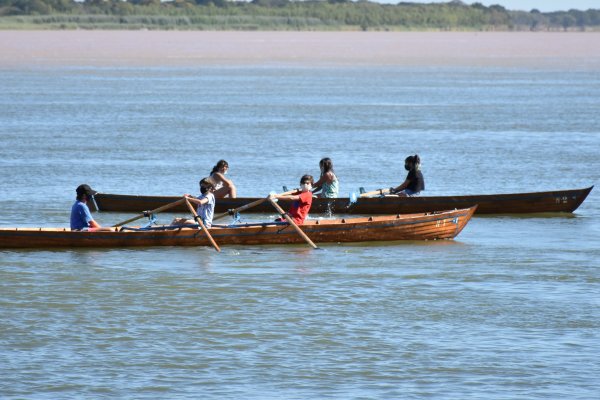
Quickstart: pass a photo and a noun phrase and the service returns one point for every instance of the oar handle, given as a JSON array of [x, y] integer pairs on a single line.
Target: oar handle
[[242, 208], [199, 220], [292, 223], [250, 205], [380, 192], [146, 213]]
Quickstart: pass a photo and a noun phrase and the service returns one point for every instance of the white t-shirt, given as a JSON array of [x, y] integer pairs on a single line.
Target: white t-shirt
[[207, 211]]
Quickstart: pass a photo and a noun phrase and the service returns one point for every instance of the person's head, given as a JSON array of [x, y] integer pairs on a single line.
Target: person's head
[[326, 165], [84, 192], [207, 185], [306, 183], [412, 162], [221, 166]]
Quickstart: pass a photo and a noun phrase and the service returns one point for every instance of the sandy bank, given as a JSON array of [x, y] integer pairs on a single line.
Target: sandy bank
[[155, 48]]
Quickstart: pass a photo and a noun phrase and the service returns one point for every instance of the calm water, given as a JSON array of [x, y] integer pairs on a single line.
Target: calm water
[[508, 310]]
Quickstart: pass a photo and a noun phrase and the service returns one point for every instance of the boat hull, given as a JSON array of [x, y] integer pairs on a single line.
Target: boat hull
[[428, 226], [515, 203]]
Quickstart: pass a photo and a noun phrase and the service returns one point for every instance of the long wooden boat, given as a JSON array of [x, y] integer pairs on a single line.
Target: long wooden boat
[[424, 226], [512, 203]]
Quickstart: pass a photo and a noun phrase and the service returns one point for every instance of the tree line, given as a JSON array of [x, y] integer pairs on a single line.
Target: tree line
[[285, 15]]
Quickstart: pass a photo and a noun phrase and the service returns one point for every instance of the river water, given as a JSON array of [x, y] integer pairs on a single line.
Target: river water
[[510, 309]]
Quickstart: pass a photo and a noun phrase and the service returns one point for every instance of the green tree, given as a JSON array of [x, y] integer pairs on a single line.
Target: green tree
[[567, 21]]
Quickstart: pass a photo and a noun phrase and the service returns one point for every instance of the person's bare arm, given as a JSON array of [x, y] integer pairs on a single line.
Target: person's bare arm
[[285, 197], [197, 201], [397, 189]]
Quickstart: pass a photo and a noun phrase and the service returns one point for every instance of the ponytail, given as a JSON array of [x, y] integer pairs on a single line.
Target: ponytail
[[220, 164], [414, 161], [417, 162], [326, 164]]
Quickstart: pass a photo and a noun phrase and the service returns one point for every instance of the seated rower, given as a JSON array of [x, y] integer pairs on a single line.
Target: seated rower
[[223, 187], [302, 200], [81, 218], [205, 202], [328, 182], [414, 182]]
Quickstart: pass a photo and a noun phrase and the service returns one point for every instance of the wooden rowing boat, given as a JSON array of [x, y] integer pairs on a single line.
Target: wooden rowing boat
[[424, 226], [513, 203]]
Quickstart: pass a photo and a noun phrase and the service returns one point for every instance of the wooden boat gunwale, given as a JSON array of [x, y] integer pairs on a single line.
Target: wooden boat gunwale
[[439, 225], [556, 201]]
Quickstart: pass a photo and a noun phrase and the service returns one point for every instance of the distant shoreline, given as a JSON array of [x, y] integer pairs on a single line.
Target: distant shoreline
[[198, 48], [288, 15]]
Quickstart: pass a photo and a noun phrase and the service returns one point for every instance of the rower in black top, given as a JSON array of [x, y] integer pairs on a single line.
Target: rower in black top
[[414, 182]]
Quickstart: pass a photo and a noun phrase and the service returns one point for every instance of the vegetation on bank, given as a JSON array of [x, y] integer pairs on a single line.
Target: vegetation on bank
[[284, 15]]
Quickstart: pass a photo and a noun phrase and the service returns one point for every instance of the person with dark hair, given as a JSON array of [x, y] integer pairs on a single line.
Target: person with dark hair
[[205, 202], [81, 218], [328, 183], [414, 182], [302, 200], [223, 187]]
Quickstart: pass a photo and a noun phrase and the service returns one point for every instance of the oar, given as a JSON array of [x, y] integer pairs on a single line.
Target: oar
[[380, 192], [146, 213], [249, 205], [199, 221], [354, 196], [292, 223]]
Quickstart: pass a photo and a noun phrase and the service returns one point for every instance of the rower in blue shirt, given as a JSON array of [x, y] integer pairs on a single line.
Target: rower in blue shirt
[[81, 218]]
